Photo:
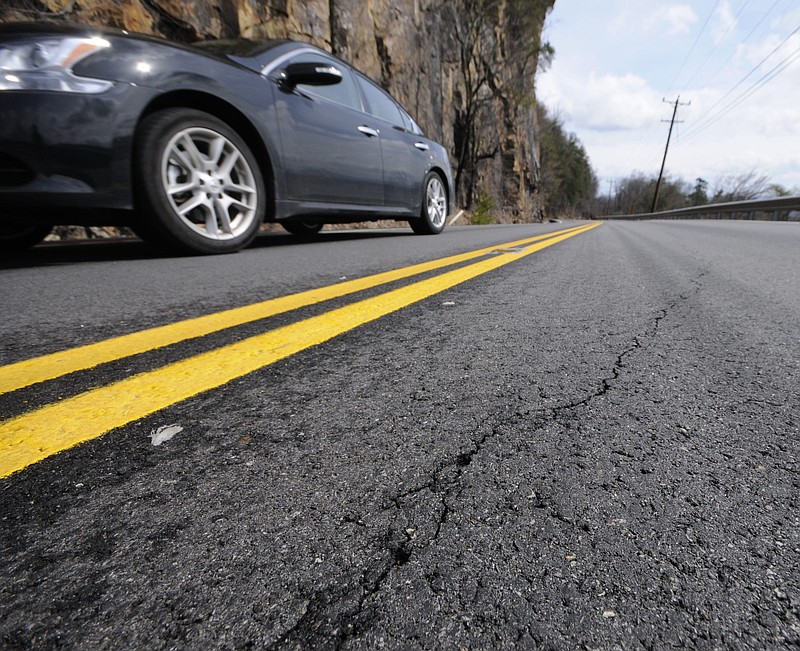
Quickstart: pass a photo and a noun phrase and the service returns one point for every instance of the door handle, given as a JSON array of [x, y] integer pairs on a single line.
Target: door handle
[[368, 131], [421, 146]]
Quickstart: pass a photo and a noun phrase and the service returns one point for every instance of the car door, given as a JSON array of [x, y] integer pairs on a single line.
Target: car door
[[331, 152], [405, 154]]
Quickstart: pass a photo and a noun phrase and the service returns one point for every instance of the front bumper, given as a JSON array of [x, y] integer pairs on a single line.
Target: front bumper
[[60, 152]]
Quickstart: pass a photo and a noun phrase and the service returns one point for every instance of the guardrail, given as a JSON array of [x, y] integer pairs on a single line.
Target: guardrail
[[758, 209]]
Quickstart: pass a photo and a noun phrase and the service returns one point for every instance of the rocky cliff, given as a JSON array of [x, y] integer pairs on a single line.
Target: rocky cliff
[[464, 68]]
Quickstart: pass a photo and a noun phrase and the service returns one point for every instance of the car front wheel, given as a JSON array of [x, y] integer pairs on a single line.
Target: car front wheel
[[434, 207], [199, 185]]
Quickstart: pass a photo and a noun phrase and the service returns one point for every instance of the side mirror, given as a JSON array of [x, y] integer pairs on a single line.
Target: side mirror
[[311, 74]]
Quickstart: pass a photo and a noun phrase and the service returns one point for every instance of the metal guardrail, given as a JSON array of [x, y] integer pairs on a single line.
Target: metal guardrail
[[761, 209]]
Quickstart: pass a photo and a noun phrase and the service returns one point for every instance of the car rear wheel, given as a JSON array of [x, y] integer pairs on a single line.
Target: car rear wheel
[[303, 228], [15, 236], [434, 207], [199, 186]]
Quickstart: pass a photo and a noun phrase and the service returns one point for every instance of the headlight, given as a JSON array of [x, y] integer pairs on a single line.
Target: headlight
[[47, 65]]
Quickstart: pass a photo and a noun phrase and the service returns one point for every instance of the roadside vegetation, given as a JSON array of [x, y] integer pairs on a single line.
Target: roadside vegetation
[[634, 194], [568, 182], [569, 186], [570, 189]]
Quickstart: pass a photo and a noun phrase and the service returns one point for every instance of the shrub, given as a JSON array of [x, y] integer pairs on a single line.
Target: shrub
[[484, 207]]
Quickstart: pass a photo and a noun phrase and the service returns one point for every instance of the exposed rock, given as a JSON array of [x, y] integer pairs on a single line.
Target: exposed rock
[[464, 68]]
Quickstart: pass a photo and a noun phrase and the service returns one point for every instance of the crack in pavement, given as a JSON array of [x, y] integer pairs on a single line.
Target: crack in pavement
[[329, 623], [399, 542], [638, 342]]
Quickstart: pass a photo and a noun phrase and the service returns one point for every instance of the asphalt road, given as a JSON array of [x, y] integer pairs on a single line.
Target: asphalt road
[[593, 446]]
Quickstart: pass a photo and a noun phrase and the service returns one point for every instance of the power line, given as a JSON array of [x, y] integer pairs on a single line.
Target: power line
[[717, 44], [694, 45], [769, 76], [710, 118], [647, 146], [742, 42], [756, 67]]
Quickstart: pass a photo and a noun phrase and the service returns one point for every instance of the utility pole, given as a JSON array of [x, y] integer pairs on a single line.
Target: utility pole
[[666, 149]]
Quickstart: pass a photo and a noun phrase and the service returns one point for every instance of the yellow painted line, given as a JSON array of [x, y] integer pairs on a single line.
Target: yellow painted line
[[47, 367], [32, 437]]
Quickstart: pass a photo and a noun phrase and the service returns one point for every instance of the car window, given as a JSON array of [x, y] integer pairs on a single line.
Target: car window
[[344, 92], [406, 120], [379, 103], [411, 126]]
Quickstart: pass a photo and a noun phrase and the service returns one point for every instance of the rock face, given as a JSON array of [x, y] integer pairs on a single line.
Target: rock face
[[464, 68]]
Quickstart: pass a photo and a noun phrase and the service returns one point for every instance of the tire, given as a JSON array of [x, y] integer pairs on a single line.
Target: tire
[[434, 207], [16, 236], [199, 187], [306, 229]]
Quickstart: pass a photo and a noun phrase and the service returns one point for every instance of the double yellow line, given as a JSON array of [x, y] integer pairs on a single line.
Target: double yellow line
[[33, 436]]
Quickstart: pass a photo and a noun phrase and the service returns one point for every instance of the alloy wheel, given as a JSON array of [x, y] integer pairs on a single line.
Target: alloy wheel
[[209, 183], [436, 202]]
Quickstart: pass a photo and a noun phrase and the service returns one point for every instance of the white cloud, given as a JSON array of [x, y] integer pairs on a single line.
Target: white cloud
[[671, 19], [614, 66], [679, 19], [602, 103], [773, 49], [787, 21], [723, 23]]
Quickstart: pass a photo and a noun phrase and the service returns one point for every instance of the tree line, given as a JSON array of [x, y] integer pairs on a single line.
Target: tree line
[[634, 194], [569, 186]]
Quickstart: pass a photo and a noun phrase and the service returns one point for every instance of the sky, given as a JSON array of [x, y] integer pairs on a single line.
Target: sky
[[620, 65]]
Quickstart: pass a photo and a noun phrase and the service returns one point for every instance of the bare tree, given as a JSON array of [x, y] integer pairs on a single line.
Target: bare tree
[[741, 187], [499, 45], [473, 22]]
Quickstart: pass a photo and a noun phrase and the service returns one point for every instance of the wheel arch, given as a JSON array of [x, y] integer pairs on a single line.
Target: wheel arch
[[233, 117]]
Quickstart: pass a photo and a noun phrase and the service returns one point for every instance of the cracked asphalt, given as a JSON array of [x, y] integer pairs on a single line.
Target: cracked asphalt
[[594, 447]]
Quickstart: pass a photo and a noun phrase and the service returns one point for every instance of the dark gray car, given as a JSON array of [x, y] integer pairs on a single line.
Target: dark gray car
[[195, 147]]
